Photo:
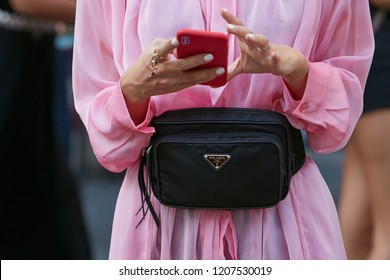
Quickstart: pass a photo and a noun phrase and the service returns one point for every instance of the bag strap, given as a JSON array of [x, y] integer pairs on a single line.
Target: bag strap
[[145, 197]]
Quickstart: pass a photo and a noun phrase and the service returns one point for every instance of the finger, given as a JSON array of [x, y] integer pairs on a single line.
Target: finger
[[230, 18], [167, 47], [188, 63], [238, 30], [233, 69], [241, 32], [189, 78], [236, 27], [259, 41], [193, 77]]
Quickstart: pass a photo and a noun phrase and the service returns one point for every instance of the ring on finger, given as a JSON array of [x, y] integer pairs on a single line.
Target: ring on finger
[[156, 57]]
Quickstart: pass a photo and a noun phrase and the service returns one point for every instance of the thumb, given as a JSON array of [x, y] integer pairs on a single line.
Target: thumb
[[233, 69]]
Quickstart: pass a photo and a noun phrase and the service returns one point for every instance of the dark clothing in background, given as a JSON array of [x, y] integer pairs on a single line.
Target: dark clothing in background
[[41, 217], [377, 92]]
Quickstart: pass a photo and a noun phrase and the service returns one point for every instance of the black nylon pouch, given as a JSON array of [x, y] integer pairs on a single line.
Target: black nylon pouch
[[221, 158]]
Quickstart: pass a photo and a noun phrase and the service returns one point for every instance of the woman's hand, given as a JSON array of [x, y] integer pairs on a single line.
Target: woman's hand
[[155, 73], [258, 55]]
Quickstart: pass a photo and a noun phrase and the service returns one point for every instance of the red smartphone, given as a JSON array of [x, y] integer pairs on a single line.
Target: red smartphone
[[194, 42]]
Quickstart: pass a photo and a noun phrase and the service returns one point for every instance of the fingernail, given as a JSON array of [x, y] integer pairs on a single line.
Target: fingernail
[[225, 10], [174, 42], [231, 26], [250, 36], [220, 71], [208, 57]]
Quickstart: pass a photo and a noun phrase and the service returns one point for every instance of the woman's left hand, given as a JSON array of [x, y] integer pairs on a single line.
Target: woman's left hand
[[258, 55]]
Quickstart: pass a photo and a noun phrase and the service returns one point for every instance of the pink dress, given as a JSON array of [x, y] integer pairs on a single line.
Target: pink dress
[[337, 39]]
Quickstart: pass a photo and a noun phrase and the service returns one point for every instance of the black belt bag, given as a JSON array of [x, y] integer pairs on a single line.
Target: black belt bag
[[221, 158]]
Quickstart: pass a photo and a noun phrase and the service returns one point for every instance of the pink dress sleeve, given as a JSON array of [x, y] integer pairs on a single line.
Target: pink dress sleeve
[[339, 64], [98, 98]]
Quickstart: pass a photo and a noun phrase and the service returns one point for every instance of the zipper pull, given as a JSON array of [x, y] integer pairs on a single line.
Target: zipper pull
[[145, 155], [148, 149]]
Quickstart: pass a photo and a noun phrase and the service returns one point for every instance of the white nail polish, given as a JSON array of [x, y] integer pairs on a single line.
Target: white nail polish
[[231, 26], [208, 57], [250, 36], [174, 42], [220, 71]]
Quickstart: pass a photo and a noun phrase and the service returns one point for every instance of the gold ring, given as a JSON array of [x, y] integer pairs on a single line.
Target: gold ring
[[154, 63]]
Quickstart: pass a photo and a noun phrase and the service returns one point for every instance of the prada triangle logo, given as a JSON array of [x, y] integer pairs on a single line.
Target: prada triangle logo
[[217, 161]]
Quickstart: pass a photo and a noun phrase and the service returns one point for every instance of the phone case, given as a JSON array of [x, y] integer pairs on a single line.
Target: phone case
[[194, 42]]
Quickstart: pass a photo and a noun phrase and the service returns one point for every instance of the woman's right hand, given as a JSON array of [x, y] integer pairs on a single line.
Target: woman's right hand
[[142, 80]]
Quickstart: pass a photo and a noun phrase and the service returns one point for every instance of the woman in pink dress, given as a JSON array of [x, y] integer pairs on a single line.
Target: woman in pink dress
[[306, 59]]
